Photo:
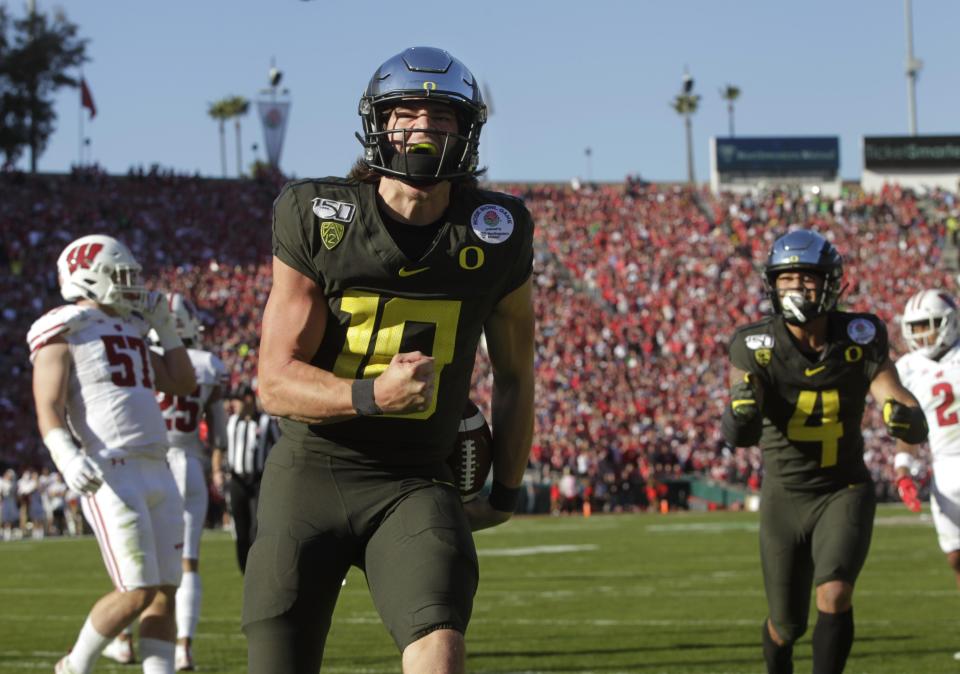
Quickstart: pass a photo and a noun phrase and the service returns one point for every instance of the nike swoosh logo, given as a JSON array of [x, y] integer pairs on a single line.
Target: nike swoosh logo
[[812, 371], [404, 272], [448, 484]]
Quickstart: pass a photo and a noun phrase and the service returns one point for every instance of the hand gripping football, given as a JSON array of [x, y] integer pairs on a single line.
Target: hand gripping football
[[471, 458]]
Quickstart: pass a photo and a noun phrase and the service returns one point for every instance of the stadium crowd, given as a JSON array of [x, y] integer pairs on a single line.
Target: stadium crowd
[[639, 287]]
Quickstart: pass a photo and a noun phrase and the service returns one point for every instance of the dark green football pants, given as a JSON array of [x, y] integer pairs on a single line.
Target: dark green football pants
[[318, 516], [810, 538]]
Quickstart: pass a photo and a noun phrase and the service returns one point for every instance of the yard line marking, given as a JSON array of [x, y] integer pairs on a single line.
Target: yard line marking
[[708, 527], [536, 550]]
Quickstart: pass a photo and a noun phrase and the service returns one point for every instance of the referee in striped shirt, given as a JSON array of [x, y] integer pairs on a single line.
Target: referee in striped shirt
[[250, 435]]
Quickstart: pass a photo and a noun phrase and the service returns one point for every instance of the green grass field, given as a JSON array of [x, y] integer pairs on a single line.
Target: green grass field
[[630, 593]]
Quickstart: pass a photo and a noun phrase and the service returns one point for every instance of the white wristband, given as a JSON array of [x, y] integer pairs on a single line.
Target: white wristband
[[903, 460], [61, 445]]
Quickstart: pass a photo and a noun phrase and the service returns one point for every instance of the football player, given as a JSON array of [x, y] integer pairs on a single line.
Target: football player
[[799, 380], [932, 373], [187, 458], [382, 285], [94, 379]]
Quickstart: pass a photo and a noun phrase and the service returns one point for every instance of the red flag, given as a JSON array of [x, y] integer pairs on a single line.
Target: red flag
[[86, 98]]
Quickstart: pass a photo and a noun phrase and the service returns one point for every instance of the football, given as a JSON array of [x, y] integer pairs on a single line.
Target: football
[[471, 458]]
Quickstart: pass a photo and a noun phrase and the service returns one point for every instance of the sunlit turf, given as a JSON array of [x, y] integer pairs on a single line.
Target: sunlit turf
[[619, 593]]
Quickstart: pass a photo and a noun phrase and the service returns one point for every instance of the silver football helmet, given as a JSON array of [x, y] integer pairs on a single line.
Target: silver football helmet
[[422, 74], [186, 318], [929, 323], [804, 250]]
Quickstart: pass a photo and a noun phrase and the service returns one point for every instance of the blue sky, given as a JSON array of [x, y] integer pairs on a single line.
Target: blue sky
[[563, 76]]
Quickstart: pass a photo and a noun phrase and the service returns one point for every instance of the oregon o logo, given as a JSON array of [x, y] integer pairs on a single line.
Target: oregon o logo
[[852, 354], [430, 86], [470, 261]]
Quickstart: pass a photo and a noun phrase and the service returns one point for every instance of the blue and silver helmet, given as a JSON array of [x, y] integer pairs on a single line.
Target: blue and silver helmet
[[422, 73], [804, 250]]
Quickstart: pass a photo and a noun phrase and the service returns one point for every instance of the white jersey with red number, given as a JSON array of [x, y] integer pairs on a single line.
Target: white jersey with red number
[[111, 403], [182, 413], [936, 385]]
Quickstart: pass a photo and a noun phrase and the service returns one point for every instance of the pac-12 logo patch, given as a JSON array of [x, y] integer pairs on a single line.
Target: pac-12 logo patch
[[492, 223], [331, 233], [861, 330], [328, 209]]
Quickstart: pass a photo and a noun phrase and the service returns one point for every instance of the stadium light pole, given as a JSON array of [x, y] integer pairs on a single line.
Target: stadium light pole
[[588, 153], [685, 104], [913, 69]]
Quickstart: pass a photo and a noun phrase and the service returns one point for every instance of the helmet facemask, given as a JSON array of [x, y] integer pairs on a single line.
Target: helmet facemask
[[794, 304], [389, 152], [127, 292]]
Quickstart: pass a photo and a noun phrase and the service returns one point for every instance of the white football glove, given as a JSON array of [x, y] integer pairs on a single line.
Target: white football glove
[[81, 474], [157, 313], [79, 471]]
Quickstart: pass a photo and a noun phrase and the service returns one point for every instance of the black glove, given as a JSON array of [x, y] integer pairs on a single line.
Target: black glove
[[904, 422], [744, 404]]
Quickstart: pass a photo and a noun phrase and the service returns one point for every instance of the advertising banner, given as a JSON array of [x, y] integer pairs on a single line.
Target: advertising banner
[[778, 156]]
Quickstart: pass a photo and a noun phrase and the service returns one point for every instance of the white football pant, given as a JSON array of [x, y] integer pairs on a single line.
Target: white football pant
[[137, 516]]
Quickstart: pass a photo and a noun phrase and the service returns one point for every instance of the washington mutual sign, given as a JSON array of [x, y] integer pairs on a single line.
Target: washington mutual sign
[[810, 156]]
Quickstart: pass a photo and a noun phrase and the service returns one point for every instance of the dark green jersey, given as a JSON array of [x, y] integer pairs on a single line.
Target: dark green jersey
[[813, 409], [382, 303]]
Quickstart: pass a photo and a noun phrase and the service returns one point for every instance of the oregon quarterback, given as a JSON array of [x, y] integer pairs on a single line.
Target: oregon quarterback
[[383, 283], [799, 380]]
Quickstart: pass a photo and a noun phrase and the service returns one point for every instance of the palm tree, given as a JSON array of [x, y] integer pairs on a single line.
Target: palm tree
[[730, 93], [686, 104], [237, 107], [219, 111]]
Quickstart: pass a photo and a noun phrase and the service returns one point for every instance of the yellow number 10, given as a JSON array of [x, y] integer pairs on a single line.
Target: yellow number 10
[[362, 307], [827, 432]]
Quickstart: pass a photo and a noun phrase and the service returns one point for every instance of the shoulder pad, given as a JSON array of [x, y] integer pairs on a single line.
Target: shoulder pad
[[320, 184], [332, 180], [751, 345], [60, 321], [952, 354], [140, 323], [762, 327], [502, 198], [336, 192], [904, 363]]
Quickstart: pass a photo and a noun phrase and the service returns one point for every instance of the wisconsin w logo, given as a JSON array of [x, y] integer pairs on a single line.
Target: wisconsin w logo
[[82, 256]]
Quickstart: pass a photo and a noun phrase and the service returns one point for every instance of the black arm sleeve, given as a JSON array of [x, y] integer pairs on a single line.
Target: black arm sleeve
[[739, 434]]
